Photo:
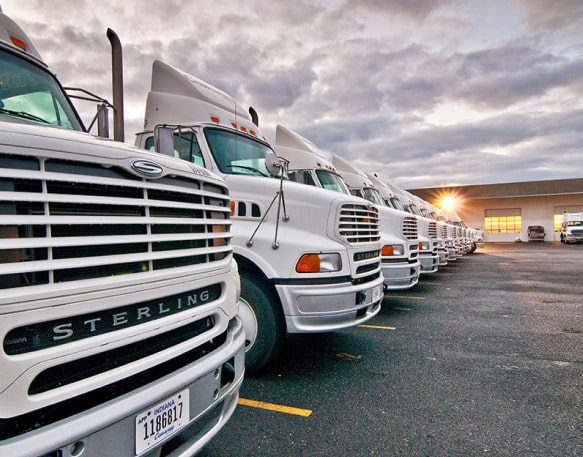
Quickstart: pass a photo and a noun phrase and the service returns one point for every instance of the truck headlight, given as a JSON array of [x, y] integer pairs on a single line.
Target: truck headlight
[[392, 249], [319, 263], [424, 246]]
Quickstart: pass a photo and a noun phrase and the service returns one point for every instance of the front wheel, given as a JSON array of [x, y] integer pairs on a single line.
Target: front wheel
[[260, 312]]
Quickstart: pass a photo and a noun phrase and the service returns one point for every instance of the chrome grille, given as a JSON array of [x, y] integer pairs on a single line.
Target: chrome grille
[[444, 231], [432, 230], [409, 228], [359, 223], [64, 221]]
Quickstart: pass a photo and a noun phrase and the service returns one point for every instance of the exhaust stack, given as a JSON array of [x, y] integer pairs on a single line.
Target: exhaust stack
[[117, 83], [254, 116]]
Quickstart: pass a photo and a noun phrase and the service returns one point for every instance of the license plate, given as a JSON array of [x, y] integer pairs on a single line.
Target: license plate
[[373, 295], [377, 292], [159, 422]]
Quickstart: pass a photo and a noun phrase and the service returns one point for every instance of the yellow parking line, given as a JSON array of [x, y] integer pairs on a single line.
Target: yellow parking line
[[406, 296], [378, 327], [403, 309], [274, 407]]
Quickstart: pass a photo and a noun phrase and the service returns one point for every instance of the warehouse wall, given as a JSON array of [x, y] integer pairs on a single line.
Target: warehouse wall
[[533, 210]]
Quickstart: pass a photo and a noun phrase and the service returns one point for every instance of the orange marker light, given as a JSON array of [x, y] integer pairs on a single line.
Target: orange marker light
[[232, 207], [18, 42], [252, 132], [308, 263], [234, 125], [243, 129], [388, 250], [215, 119], [420, 245]]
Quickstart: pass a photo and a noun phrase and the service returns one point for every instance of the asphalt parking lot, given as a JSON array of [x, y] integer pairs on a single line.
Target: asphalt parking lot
[[483, 358]]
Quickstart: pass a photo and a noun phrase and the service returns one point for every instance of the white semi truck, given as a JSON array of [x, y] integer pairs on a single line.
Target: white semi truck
[[429, 241], [430, 212], [311, 165], [309, 259], [118, 288], [572, 228], [401, 267]]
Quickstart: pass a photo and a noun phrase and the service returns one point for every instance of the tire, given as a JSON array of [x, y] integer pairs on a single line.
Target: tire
[[258, 299]]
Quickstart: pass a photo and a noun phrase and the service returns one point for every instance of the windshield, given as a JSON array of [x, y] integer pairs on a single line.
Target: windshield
[[574, 223], [372, 195], [415, 209], [236, 154], [396, 203], [332, 181], [30, 93]]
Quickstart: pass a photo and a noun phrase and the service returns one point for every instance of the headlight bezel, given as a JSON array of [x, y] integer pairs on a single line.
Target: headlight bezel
[[392, 250], [319, 262]]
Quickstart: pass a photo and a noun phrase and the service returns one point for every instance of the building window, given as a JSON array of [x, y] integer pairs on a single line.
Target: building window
[[558, 220], [503, 224]]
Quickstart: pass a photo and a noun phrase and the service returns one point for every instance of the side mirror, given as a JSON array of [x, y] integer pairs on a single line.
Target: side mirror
[[273, 164], [164, 140]]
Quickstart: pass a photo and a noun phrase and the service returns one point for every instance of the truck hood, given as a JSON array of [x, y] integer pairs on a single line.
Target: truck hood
[[84, 146]]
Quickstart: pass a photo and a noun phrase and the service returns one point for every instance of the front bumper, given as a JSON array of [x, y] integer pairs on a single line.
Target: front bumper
[[328, 307], [401, 275], [442, 255], [429, 262], [108, 430]]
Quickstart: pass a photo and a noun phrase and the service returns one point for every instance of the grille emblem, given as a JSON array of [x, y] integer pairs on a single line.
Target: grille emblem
[[147, 168]]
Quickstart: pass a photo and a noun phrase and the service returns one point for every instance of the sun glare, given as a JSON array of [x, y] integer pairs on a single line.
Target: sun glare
[[448, 203]]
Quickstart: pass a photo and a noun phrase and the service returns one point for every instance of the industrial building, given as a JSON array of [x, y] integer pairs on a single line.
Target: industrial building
[[505, 211]]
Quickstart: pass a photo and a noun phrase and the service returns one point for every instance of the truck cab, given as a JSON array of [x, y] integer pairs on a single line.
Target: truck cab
[[311, 165], [118, 304], [430, 212], [304, 269], [572, 228], [428, 236]]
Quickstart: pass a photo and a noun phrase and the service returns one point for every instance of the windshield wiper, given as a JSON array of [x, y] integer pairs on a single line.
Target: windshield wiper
[[24, 115], [259, 172]]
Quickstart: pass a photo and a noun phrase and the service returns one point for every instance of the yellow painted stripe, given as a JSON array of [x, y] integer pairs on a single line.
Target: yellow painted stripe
[[378, 327], [403, 309], [276, 408], [405, 296]]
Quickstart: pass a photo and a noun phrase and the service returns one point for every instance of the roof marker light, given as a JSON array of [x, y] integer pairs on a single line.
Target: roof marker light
[[243, 129], [18, 42], [252, 132], [215, 119], [234, 125]]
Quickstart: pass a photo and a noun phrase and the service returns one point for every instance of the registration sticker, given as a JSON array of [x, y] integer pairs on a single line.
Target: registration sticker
[[159, 422]]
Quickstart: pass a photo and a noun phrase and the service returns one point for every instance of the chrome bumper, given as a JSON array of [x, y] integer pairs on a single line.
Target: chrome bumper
[[328, 307], [400, 276]]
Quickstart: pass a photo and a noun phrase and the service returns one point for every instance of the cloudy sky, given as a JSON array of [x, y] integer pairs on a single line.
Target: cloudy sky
[[426, 92]]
